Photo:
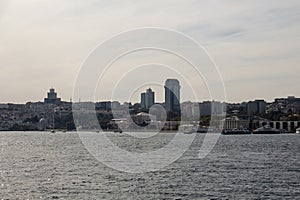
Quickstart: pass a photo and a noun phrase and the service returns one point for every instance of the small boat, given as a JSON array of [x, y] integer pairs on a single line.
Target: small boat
[[188, 131], [283, 131], [202, 129], [52, 131], [205, 129], [236, 132], [118, 131], [298, 130], [266, 130], [186, 128]]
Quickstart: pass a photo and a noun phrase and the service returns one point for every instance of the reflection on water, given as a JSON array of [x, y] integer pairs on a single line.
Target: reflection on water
[[47, 165]]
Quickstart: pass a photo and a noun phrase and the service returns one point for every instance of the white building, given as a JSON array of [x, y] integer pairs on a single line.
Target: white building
[[234, 123]]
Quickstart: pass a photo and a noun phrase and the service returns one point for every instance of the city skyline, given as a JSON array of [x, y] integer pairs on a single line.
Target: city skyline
[[53, 97], [253, 43], [61, 95], [160, 99]]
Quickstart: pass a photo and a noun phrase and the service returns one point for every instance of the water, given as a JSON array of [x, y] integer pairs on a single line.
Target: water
[[57, 166]]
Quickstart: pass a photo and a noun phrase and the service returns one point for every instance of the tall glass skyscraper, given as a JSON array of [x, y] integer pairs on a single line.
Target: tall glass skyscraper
[[172, 96]]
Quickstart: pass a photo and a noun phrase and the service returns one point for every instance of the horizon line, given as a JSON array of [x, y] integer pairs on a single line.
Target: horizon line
[[214, 100]]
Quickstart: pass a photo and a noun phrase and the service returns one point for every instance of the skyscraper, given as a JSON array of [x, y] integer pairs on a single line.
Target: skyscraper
[[172, 96], [147, 99], [143, 100]]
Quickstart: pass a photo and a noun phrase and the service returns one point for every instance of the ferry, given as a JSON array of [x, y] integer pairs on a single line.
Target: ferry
[[266, 130], [186, 128], [235, 131]]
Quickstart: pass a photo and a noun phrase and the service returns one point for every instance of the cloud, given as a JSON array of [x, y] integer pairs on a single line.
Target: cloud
[[43, 43]]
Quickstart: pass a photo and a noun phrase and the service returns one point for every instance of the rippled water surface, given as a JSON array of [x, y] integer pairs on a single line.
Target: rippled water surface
[[40, 165]]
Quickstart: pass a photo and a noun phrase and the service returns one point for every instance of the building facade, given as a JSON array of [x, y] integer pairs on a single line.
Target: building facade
[[190, 111], [172, 95], [256, 107], [147, 99], [212, 108], [52, 97], [234, 123]]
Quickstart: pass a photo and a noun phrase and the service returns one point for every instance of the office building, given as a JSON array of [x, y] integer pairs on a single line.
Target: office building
[[172, 95]]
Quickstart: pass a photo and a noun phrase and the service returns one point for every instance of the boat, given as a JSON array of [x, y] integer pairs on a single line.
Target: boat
[[283, 131], [206, 129], [118, 130], [235, 132], [186, 128], [188, 131], [298, 130], [202, 129], [266, 130]]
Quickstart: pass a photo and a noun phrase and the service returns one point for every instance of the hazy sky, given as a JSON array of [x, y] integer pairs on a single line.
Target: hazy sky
[[255, 43]]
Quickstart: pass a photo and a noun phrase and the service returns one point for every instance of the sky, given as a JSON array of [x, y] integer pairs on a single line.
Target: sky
[[254, 43]]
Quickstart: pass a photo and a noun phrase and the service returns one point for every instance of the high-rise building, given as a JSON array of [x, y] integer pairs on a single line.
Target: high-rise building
[[107, 105], [256, 107], [143, 100], [172, 96], [147, 99], [212, 108], [150, 99], [52, 97]]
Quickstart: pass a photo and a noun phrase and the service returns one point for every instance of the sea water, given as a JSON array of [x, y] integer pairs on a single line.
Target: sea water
[[42, 165]]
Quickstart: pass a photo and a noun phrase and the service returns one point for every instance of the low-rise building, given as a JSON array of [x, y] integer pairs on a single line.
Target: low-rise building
[[235, 123]]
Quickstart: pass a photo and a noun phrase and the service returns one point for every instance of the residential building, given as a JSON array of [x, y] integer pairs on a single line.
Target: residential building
[[256, 107], [147, 99], [212, 108]]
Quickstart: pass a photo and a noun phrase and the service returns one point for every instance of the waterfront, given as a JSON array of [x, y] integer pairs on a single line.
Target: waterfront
[[45, 165]]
